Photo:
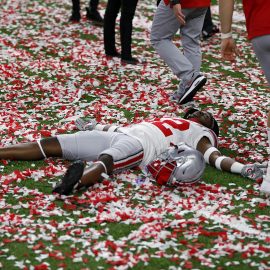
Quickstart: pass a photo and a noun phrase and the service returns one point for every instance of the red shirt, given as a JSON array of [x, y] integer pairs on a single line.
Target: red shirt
[[192, 3], [257, 14]]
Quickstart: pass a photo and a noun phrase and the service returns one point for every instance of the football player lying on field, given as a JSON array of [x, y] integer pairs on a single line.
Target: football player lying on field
[[113, 148]]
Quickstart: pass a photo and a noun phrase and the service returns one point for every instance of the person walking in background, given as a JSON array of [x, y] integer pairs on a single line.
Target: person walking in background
[[128, 8], [258, 29], [91, 12], [265, 186], [188, 17], [209, 28]]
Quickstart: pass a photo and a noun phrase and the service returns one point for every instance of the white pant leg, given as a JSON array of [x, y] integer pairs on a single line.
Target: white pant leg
[[85, 145], [126, 151], [164, 27], [191, 33]]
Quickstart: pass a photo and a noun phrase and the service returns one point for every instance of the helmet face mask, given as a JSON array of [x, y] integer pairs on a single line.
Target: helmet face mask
[[178, 165]]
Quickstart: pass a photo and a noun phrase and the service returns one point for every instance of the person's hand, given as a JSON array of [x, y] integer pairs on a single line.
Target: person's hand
[[85, 123], [254, 171], [228, 49], [177, 10]]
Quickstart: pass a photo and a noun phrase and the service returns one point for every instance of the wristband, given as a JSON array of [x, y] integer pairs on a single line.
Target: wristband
[[236, 167], [218, 162], [208, 153], [227, 35]]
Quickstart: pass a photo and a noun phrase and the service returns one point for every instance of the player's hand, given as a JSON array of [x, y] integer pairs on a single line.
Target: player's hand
[[177, 10], [254, 171], [85, 124], [228, 49]]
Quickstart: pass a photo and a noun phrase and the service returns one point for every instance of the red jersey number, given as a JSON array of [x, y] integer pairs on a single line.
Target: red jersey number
[[181, 125]]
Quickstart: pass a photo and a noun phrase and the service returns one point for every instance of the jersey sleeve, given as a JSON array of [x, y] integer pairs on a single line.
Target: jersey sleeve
[[208, 133]]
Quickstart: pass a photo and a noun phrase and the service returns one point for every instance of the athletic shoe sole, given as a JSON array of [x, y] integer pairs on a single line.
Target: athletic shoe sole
[[70, 179], [196, 85]]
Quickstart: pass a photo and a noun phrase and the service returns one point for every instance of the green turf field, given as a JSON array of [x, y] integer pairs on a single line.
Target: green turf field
[[52, 72]]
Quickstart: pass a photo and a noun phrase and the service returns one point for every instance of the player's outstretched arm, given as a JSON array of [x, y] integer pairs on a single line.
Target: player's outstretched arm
[[213, 157]]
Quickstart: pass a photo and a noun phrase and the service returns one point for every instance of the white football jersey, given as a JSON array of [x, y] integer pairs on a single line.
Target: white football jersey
[[157, 135]]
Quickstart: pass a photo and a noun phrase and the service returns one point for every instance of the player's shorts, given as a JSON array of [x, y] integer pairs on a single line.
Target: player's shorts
[[126, 151]]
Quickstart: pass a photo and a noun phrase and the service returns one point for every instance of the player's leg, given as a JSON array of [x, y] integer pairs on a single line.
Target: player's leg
[[93, 173], [48, 147], [191, 32], [78, 176], [123, 152], [83, 146]]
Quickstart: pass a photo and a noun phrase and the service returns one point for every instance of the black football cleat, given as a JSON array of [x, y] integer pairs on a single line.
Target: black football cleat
[[94, 16], [113, 54], [130, 60], [75, 17], [70, 179]]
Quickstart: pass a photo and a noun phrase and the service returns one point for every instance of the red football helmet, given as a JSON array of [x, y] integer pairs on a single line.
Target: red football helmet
[[180, 164]]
